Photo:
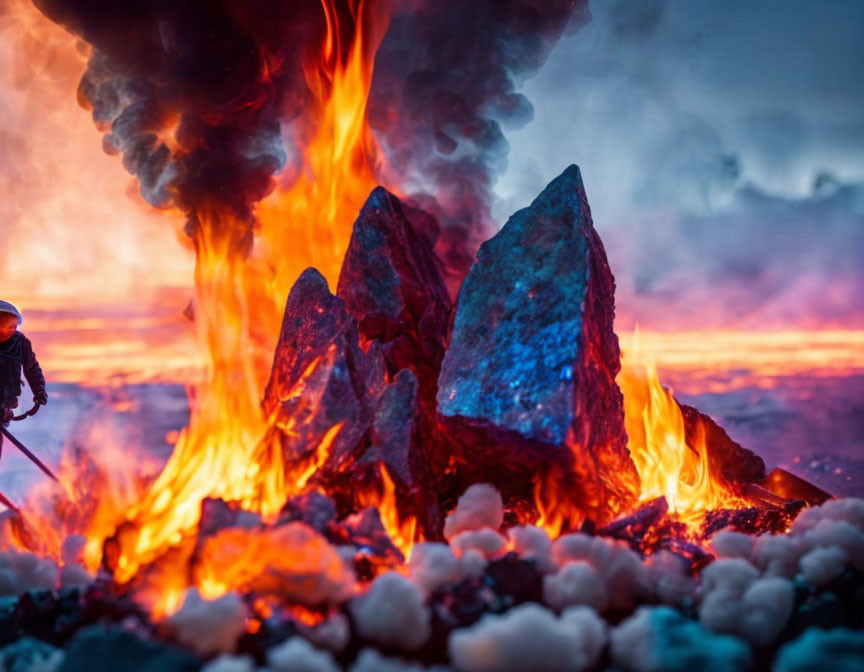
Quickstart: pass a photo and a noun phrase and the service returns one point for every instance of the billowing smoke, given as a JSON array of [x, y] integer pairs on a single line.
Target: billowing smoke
[[196, 95], [445, 88], [192, 94]]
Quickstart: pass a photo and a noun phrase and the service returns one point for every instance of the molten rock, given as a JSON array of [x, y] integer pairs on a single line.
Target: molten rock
[[530, 372], [321, 378], [292, 560]]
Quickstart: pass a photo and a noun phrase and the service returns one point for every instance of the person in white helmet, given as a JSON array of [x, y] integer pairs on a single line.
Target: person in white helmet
[[17, 357]]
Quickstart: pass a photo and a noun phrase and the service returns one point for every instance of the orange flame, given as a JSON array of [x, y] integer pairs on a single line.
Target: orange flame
[[666, 464], [95, 487], [308, 222], [227, 451], [401, 529]]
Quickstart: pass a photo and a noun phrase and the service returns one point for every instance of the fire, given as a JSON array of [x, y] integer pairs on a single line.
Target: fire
[[54, 512], [666, 464], [227, 451], [290, 560], [401, 529], [230, 450], [307, 222]]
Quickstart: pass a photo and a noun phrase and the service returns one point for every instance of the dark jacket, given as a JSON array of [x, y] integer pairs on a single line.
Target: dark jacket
[[16, 355]]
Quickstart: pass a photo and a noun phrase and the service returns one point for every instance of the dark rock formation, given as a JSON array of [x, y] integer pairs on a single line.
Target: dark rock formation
[[397, 445], [321, 377], [392, 284], [533, 357], [727, 459]]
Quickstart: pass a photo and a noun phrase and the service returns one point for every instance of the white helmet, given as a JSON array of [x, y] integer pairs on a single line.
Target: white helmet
[[6, 307]]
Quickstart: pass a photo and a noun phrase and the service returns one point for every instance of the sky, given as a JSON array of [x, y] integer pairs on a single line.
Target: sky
[[721, 148]]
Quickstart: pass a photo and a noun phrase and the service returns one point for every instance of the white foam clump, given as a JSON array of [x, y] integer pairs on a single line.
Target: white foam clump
[[209, 627], [732, 544], [669, 580], [849, 510], [621, 574], [838, 534], [21, 572], [659, 639], [632, 643], [822, 541], [227, 663], [434, 565], [529, 638], [533, 543], [576, 583], [479, 506], [298, 655], [392, 613], [333, 634], [737, 601], [776, 555], [370, 660], [488, 543], [821, 566], [75, 576]]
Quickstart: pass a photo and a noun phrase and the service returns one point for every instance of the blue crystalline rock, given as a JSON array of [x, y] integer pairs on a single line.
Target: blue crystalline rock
[[533, 356]]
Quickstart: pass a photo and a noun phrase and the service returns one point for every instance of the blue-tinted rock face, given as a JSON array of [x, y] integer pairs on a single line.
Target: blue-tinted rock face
[[533, 354]]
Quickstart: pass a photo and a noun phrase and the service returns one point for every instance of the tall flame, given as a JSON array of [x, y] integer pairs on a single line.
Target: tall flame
[[227, 450], [666, 464]]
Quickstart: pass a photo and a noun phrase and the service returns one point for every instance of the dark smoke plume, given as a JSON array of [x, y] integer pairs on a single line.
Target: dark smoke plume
[[446, 81], [225, 76], [222, 74]]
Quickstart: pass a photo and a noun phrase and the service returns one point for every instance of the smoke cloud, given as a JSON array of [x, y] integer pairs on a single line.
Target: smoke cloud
[[195, 96], [192, 94], [446, 89]]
